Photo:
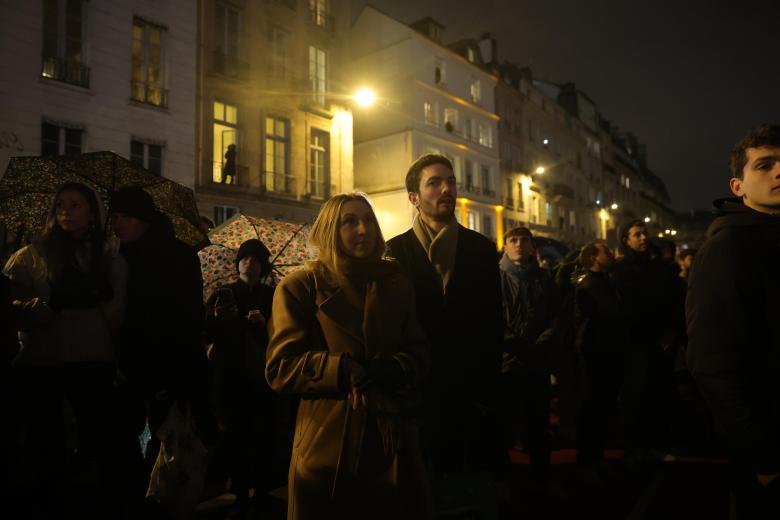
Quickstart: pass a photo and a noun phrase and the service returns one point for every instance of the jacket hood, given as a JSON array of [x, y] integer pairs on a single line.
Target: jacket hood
[[731, 212]]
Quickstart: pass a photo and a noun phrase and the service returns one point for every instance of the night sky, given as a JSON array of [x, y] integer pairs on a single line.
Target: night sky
[[689, 78]]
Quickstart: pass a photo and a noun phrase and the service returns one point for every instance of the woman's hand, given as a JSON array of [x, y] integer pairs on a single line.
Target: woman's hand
[[35, 311], [356, 377]]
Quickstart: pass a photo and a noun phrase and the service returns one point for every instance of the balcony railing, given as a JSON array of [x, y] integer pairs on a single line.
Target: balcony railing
[[218, 175], [150, 94], [274, 182], [230, 65], [67, 71]]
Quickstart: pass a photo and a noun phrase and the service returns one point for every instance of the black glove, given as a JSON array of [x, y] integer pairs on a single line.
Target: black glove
[[386, 373]]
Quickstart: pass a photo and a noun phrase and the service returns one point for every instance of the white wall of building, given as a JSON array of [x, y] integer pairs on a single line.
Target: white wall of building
[[104, 109]]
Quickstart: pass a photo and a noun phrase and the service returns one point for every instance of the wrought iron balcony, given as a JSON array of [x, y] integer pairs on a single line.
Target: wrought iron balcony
[[274, 182], [150, 94], [67, 71]]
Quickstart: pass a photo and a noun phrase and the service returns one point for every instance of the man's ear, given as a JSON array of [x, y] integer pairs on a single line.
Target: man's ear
[[414, 198], [736, 187]]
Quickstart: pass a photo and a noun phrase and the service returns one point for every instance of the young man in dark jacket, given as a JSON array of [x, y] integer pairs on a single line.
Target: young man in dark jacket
[[601, 342], [732, 311], [530, 303]]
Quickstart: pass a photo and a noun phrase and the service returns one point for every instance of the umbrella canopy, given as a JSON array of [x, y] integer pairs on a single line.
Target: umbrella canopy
[[27, 189], [286, 241]]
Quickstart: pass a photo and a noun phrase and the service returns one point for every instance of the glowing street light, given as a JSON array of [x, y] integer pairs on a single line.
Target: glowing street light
[[667, 231], [614, 205], [647, 219], [674, 232], [365, 97], [540, 170]]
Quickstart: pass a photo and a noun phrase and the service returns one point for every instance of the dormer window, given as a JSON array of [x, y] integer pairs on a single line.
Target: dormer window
[[471, 55]]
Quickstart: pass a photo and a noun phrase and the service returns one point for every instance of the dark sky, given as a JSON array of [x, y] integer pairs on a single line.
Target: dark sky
[[689, 78]]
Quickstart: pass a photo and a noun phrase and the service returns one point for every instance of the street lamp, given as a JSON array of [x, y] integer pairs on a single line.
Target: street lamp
[[365, 97], [614, 205], [540, 170], [647, 219]]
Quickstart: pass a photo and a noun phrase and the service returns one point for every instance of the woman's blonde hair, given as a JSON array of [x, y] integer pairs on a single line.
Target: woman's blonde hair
[[324, 233]]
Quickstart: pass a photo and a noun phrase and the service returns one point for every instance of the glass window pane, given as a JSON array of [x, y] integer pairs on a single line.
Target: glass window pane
[[72, 141], [155, 159], [137, 153], [269, 126], [50, 139], [231, 114], [219, 111], [281, 128]]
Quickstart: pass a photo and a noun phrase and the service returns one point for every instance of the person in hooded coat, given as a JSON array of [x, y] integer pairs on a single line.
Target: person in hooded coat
[[732, 310], [162, 358]]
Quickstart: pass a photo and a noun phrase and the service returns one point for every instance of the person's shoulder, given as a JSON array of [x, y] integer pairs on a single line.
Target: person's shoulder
[[400, 238], [476, 240], [730, 245]]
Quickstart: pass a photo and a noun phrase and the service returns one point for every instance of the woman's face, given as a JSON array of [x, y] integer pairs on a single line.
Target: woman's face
[[358, 229], [73, 213]]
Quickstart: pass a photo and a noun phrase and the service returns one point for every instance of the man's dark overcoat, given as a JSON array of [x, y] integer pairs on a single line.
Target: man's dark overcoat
[[732, 312], [464, 326]]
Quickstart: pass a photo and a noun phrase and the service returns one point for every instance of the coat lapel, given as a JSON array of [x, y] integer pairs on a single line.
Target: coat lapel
[[337, 309]]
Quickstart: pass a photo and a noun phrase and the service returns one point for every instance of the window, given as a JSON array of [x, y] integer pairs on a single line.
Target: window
[[318, 74], [548, 213], [486, 136], [319, 162], [487, 226], [225, 134], [226, 32], [534, 209], [476, 91], [572, 220], [431, 111], [64, 41], [146, 155], [486, 181], [148, 73], [277, 155], [471, 55], [223, 213], [278, 40], [520, 197], [440, 72], [450, 119], [60, 140], [470, 168], [319, 12], [471, 221]]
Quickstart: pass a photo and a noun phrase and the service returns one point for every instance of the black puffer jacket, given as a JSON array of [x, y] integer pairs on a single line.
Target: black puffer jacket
[[732, 311], [599, 316]]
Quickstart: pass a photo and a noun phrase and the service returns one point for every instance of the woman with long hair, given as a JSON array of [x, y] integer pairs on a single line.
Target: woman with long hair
[[344, 337], [69, 287]]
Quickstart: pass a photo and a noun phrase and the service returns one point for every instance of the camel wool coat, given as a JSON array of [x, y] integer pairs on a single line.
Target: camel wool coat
[[339, 468]]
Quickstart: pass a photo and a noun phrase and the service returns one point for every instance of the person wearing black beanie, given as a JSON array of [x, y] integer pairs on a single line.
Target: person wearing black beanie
[[247, 409]]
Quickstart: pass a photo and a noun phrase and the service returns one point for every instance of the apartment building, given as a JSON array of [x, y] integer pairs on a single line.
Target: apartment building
[[274, 126], [84, 76], [430, 99]]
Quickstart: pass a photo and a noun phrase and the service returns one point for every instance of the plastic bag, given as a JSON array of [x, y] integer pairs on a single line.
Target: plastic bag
[[179, 472]]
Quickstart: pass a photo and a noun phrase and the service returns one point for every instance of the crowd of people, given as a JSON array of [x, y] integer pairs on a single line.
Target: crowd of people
[[384, 374]]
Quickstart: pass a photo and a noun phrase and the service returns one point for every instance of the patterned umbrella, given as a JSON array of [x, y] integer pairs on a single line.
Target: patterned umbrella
[[27, 189], [286, 241]]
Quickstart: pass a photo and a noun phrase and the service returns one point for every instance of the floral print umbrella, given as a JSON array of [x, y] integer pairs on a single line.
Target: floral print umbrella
[[286, 241]]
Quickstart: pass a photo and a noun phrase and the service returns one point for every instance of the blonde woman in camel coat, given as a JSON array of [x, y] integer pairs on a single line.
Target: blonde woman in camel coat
[[345, 338]]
